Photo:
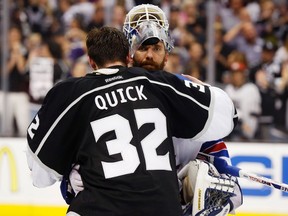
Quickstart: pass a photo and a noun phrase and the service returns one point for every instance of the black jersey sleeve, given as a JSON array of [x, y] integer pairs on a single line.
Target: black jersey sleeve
[[120, 127], [73, 110], [51, 140], [200, 112]]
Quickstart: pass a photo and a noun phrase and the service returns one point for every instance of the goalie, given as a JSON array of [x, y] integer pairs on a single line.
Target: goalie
[[156, 18]]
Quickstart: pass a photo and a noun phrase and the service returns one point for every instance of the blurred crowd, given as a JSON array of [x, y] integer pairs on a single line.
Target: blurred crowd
[[46, 42]]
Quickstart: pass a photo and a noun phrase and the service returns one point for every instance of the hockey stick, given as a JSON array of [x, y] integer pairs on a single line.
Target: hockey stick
[[223, 167]]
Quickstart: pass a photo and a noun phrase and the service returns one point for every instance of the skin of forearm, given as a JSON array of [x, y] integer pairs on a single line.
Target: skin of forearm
[[18, 61], [230, 35]]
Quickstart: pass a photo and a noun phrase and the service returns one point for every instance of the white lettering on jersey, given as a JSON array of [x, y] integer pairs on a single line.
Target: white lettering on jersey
[[140, 92], [113, 78], [33, 126], [190, 84], [151, 142], [128, 93], [113, 98], [123, 99], [121, 144]]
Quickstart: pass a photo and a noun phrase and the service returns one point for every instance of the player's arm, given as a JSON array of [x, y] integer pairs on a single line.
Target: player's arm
[[191, 78], [219, 149], [205, 112], [48, 136], [71, 184], [219, 95], [42, 176]]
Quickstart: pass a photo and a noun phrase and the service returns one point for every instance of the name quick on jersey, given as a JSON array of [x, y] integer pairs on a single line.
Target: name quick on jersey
[[121, 95]]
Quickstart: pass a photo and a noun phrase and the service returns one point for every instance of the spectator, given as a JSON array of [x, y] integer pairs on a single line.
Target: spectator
[[246, 98], [194, 70], [17, 115], [19, 18], [267, 63], [267, 25], [194, 22], [177, 25], [233, 13], [98, 19], [179, 33], [245, 39], [197, 56], [33, 44], [173, 64], [37, 16], [118, 16], [253, 9], [174, 17], [75, 36], [45, 69], [61, 13], [109, 7], [281, 54], [221, 52], [82, 8], [263, 75], [282, 21], [282, 102], [186, 19], [81, 67]]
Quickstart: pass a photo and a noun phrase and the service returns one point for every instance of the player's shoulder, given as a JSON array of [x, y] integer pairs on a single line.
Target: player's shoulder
[[66, 82], [154, 75], [62, 87]]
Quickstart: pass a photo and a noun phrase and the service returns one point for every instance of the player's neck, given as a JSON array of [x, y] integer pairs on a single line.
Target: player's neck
[[116, 63]]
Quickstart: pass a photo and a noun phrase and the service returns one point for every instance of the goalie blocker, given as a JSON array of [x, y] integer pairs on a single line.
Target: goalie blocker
[[206, 192]]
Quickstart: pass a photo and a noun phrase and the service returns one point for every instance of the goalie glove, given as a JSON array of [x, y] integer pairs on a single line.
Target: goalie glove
[[205, 189]]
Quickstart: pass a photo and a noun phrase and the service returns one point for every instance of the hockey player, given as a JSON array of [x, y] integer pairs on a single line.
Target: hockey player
[[120, 125], [146, 28]]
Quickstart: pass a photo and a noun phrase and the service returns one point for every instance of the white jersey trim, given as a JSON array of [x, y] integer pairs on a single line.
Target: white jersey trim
[[70, 213], [208, 130], [101, 88]]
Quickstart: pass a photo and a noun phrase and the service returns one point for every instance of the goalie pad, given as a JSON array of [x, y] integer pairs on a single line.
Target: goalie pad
[[205, 189]]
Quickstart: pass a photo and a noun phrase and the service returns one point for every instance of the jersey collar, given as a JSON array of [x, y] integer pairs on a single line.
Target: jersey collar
[[108, 71]]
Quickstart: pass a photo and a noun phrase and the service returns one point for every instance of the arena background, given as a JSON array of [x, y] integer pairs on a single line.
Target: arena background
[[19, 197]]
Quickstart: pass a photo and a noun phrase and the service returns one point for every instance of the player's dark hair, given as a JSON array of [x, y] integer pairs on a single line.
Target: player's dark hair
[[106, 45]]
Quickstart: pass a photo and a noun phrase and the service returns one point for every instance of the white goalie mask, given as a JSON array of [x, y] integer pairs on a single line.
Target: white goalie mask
[[144, 22], [149, 33]]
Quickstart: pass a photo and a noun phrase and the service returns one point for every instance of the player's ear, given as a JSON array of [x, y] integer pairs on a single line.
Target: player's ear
[[129, 60], [166, 58], [93, 64]]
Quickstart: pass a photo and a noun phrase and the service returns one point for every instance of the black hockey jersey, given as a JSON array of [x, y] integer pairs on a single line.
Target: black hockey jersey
[[119, 124]]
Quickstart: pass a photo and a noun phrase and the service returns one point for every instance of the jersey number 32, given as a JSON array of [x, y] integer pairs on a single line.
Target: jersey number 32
[[130, 158]]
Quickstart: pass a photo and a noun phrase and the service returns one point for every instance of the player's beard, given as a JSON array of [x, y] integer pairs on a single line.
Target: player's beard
[[150, 65]]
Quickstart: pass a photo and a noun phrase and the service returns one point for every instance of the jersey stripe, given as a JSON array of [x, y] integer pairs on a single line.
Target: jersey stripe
[[217, 148], [108, 86], [182, 94]]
